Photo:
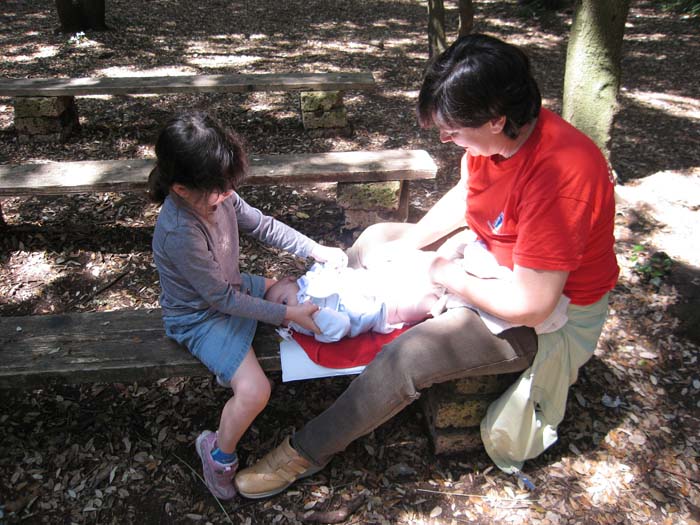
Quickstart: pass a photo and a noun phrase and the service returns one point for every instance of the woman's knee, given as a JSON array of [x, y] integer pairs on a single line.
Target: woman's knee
[[398, 363]]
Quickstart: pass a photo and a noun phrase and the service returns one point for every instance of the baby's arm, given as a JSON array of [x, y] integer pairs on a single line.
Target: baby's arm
[[334, 325]]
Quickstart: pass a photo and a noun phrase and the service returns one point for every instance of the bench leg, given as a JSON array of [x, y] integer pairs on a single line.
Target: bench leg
[[454, 410], [366, 203], [323, 109], [45, 119]]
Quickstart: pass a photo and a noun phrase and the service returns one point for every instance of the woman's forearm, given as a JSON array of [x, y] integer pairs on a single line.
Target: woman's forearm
[[528, 299], [447, 215]]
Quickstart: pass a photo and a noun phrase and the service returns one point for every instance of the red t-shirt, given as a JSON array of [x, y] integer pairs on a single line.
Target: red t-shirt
[[548, 207]]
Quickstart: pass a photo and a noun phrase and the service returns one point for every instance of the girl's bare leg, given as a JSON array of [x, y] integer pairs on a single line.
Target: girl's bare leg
[[251, 392]]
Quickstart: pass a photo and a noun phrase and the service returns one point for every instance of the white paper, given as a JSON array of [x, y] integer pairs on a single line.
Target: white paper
[[297, 365]]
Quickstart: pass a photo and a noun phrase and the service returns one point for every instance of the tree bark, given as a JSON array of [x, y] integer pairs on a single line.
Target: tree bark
[[466, 17], [81, 15], [592, 77], [437, 42]]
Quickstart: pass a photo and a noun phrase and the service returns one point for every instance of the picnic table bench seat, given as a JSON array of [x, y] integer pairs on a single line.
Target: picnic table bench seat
[[57, 178], [45, 108], [154, 85]]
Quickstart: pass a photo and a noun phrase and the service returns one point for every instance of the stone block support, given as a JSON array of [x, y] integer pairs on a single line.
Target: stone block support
[[323, 109], [454, 410], [367, 203], [45, 119]]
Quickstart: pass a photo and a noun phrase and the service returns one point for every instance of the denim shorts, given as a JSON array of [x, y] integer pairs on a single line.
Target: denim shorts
[[220, 341]]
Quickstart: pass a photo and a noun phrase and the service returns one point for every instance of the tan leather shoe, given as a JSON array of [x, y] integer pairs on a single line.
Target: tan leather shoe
[[276, 471]]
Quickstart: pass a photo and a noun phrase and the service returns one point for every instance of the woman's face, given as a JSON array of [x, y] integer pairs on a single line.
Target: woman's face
[[479, 141], [484, 141]]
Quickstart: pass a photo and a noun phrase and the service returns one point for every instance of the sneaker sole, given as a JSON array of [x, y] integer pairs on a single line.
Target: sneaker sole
[[260, 495]]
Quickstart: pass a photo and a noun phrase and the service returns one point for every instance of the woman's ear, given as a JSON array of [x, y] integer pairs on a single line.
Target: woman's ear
[[497, 124]]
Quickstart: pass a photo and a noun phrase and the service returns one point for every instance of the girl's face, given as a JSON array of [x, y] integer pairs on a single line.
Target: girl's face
[[217, 197], [204, 202]]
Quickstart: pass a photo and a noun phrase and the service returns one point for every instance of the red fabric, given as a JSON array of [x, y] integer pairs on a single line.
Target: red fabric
[[549, 207], [348, 352]]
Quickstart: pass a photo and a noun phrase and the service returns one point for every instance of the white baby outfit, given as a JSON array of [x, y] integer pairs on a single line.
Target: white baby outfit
[[348, 300]]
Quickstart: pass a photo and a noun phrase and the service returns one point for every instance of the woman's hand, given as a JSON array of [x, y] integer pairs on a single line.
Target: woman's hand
[[302, 314], [333, 257]]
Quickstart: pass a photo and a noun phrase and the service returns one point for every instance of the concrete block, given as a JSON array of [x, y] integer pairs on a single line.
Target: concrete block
[[451, 441], [42, 106], [312, 101], [367, 203], [38, 125], [47, 128], [333, 118]]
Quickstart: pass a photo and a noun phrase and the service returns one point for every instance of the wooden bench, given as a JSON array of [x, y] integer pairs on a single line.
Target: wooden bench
[[45, 107], [386, 171], [121, 345], [130, 345]]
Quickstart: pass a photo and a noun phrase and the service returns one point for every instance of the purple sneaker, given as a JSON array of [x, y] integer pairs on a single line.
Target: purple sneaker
[[218, 477]]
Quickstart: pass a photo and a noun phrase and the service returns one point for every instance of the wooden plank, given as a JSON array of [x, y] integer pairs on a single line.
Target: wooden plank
[[122, 345], [57, 178], [144, 85]]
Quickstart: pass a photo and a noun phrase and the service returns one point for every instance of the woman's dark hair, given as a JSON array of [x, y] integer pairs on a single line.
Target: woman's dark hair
[[479, 78], [194, 150]]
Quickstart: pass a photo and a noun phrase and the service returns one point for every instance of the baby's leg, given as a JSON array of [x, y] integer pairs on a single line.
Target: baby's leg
[[411, 311], [251, 392]]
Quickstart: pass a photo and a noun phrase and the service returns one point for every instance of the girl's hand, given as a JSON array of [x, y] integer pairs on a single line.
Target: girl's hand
[[302, 314], [334, 257]]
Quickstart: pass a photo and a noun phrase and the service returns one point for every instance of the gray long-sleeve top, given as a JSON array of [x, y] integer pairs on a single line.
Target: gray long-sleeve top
[[197, 258]]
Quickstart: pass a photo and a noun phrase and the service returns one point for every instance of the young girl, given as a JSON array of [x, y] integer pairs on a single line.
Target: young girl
[[208, 304]]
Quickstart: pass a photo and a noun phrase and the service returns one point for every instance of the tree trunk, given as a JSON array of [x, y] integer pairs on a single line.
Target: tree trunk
[[466, 17], [436, 27], [592, 78], [81, 15]]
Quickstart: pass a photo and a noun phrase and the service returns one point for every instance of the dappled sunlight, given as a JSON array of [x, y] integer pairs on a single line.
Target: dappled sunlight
[[37, 270], [604, 481], [36, 266], [6, 116], [670, 198], [23, 54], [675, 105], [222, 61], [133, 71], [409, 95], [645, 37]]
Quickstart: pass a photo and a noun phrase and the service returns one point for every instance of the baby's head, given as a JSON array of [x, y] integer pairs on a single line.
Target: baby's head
[[283, 291]]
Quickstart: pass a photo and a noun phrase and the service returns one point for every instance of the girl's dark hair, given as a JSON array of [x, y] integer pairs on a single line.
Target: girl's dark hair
[[194, 150], [479, 78]]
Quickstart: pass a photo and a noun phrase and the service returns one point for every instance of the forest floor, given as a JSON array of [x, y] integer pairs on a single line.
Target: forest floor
[[123, 453]]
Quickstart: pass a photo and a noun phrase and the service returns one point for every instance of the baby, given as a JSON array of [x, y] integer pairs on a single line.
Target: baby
[[352, 301]]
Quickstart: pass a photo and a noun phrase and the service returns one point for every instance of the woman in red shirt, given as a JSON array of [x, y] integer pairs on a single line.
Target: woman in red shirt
[[539, 195]]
